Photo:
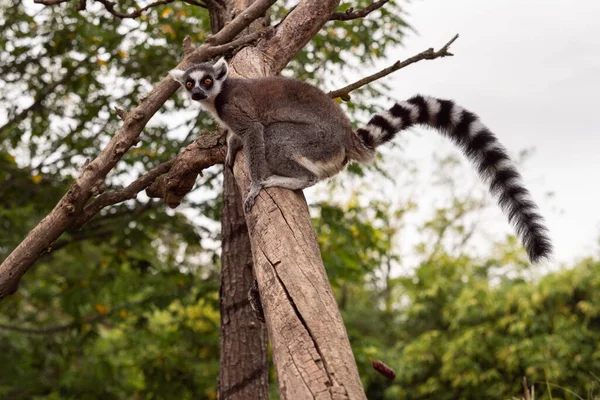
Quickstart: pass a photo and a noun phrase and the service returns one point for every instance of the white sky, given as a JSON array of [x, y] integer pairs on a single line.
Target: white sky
[[531, 70]]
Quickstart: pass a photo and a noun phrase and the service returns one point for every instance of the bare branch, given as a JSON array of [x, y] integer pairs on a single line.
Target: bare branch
[[79, 237], [429, 54], [206, 151], [350, 13], [110, 7], [188, 46], [239, 23], [235, 44], [118, 196]]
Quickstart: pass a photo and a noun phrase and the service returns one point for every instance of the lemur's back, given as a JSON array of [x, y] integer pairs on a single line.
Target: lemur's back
[[278, 99]]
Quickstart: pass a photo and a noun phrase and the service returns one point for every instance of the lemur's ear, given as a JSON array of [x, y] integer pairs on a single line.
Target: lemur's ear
[[221, 69], [177, 74]]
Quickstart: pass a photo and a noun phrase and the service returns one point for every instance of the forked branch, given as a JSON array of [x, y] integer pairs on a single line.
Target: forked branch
[[429, 54], [105, 199], [239, 23]]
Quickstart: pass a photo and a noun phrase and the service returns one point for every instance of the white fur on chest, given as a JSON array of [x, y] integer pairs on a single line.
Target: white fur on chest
[[209, 106]]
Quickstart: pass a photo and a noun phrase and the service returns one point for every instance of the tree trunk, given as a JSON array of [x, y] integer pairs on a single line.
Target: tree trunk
[[243, 342], [311, 350], [244, 369], [310, 346]]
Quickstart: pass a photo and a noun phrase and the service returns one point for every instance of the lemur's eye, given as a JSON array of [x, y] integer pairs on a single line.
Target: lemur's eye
[[207, 81], [189, 84]]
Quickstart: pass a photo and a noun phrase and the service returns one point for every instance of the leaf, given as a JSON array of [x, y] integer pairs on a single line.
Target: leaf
[[102, 309], [166, 28]]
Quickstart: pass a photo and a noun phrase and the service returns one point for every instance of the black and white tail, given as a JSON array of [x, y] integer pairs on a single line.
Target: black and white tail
[[481, 147]]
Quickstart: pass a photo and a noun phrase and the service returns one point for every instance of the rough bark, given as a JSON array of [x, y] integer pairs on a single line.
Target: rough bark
[[243, 339], [244, 370], [209, 149]]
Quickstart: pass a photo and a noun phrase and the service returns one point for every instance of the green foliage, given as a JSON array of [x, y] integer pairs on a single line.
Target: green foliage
[[351, 245], [470, 337]]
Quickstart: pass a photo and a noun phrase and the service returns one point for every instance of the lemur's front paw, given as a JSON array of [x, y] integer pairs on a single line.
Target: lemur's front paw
[[248, 203], [251, 197]]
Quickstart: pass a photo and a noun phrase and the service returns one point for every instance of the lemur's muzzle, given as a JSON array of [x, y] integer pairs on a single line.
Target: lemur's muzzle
[[198, 95]]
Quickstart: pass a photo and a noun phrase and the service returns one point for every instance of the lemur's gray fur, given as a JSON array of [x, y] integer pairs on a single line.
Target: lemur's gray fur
[[294, 135]]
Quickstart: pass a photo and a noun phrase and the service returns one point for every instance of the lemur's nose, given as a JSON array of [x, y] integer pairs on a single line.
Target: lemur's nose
[[198, 96]]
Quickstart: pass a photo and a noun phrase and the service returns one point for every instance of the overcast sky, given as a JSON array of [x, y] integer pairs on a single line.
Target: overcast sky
[[531, 70]]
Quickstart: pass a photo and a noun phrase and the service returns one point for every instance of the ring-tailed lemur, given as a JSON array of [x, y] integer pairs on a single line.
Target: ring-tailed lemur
[[294, 135]]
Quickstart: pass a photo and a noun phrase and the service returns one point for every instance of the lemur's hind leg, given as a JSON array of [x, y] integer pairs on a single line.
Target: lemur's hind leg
[[289, 183], [302, 179], [281, 153]]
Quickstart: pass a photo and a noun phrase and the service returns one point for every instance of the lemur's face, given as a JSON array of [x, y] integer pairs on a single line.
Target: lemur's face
[[202, 81]]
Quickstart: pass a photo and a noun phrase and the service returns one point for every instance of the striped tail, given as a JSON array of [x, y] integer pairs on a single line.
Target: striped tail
[[481, 147]]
